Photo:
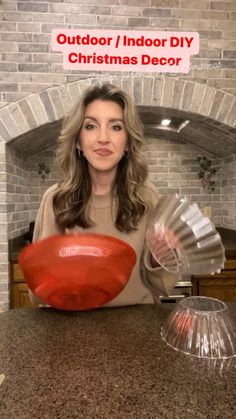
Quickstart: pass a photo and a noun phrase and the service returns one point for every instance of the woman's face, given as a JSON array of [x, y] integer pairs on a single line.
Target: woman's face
[[103, 137]]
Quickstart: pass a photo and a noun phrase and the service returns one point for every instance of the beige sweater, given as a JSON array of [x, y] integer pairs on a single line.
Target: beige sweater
[[146, 283]]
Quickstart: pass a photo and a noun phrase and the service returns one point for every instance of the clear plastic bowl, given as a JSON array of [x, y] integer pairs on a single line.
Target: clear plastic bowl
[[202, 327], [182, 239]]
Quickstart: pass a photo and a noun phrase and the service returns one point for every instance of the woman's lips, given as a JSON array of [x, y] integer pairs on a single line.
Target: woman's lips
[[103, 152]]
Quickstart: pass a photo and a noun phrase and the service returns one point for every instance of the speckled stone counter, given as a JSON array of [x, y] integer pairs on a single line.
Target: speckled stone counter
[[108, 363]]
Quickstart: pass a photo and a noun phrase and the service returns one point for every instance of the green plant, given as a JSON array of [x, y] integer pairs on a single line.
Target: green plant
[[206, 173]]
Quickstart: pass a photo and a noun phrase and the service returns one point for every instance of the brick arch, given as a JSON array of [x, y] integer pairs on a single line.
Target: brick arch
[[52, 104]]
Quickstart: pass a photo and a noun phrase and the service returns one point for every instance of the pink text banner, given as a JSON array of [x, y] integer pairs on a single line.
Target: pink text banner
[[113, 50]]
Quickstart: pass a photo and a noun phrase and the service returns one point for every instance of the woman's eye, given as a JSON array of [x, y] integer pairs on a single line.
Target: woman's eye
[[89, 126], [117, 127]]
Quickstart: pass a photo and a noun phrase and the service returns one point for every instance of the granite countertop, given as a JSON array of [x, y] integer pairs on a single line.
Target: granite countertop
[[105, 364]]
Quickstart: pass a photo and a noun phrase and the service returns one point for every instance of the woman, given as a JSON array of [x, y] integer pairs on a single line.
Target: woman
[[104, 188]]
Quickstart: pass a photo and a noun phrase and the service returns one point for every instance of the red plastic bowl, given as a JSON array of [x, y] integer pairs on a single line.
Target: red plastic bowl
[[77, 272]]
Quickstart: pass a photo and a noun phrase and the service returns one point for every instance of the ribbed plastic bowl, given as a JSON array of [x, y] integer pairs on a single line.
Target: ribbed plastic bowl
[[201, 327], [199, 249]]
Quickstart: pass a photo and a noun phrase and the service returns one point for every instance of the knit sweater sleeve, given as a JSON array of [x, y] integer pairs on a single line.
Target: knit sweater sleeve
[[45, 223], [156, 279]]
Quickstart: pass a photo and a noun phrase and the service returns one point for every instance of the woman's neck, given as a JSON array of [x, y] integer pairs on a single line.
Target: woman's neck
[[102, 182], [100, 190]]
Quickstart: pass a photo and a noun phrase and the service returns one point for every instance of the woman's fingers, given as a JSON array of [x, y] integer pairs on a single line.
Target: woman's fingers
[[163, 239]]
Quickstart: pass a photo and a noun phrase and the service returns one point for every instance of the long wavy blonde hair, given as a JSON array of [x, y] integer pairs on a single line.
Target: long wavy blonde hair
[[73, 193]]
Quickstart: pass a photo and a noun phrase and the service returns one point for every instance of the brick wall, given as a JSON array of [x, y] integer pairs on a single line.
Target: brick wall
[[17, 184], [38, 185], [28, 65], [4, 266], [228, 184], [173, 168], [25, 187]]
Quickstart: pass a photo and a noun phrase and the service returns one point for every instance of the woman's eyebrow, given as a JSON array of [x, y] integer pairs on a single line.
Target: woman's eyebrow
[[110, 120], [116, 119], [90, 117]]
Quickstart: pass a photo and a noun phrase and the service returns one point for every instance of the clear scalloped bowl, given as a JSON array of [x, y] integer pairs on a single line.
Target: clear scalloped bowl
[[201, 327], [182, 239]]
